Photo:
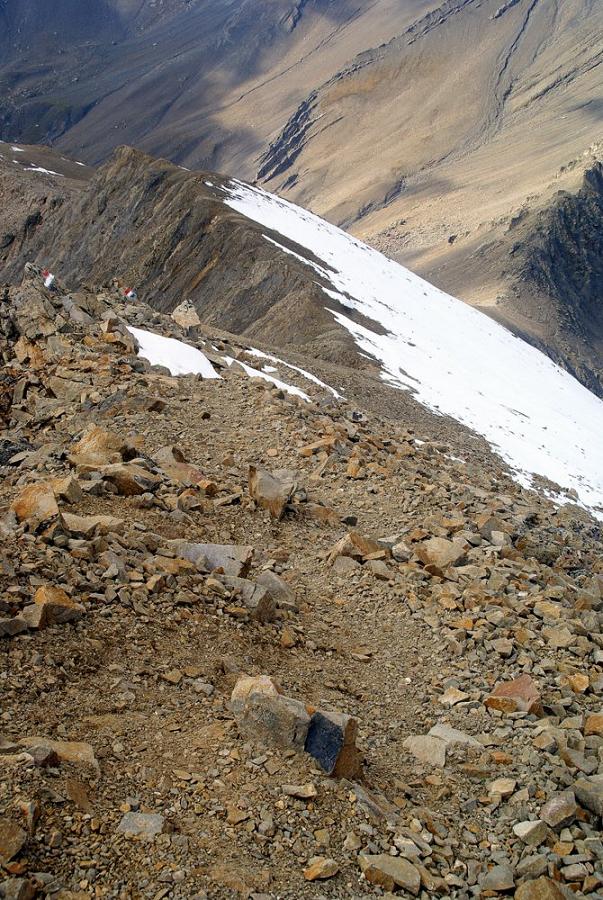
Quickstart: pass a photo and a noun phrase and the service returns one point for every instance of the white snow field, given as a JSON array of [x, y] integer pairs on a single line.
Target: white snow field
[[179, 358], [454, 359], [265, 376], [183, 359]]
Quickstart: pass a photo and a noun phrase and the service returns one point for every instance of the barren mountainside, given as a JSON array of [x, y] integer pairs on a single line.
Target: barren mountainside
[[380, 116]]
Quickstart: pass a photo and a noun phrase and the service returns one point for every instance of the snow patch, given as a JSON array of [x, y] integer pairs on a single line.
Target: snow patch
[[256, 373], [178, 357], [455, 360], [308, 375], [43, 171]]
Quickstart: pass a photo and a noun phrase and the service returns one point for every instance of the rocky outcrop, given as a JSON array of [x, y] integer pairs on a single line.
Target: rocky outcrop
[[561, 259]]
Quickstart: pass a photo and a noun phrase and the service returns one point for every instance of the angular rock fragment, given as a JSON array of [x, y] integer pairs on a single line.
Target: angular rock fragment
[[589, 792], [531, 833], [431, 751], [76, 752], [89, 526], [390, 872], [67, 489], [277, 588], [56, 607], [233, 559], [301, 791], [499, 879], [331, 740], [271, 491], [131, 480], [11, 626], [559, 810], [542, 888], [264, 713], [99, 447], [320, 868], [18, 889], [12, 840], [173, 462], [355, 546], [141, 825], [36, 506], [259, 603], [521, 695], [431, 748], [440, 553]]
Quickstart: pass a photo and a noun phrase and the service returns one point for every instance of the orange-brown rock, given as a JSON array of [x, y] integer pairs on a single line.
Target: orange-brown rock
[[36, 505], [99, 447], [519, 695], [355, 545], [56, 606], [271, 491]]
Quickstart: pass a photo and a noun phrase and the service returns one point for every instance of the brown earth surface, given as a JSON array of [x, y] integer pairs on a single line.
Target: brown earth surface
[[475, 580]]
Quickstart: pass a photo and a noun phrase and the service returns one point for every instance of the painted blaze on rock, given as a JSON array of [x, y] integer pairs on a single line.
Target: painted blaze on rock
[[264, 713]]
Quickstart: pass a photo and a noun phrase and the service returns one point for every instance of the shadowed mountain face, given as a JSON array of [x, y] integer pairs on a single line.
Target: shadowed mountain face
[[204, 82], [167, 231]]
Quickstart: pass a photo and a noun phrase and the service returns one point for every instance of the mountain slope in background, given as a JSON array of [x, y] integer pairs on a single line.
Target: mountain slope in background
[[380, 117], [257, 265]]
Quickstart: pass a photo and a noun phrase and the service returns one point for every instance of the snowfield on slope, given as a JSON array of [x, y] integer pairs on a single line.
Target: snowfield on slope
[[454, 359], [183, 359], [179, 358]]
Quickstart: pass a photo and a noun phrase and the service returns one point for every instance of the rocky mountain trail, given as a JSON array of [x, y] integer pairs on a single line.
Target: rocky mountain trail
[[215, 591]]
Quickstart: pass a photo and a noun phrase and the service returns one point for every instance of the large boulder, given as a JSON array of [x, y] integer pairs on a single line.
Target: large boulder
[[265, 714], [271, 491]]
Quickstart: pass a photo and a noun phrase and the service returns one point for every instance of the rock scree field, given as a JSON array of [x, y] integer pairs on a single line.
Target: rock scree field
[[263, 635]]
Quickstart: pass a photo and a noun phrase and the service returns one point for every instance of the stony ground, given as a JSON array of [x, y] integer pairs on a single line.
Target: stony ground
[[393, 577]]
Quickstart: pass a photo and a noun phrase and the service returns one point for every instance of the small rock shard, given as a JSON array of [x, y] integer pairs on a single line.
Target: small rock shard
[[519, 695], [321, 868], [390, 872], [231, 558], [141, 825], [301, 791]]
